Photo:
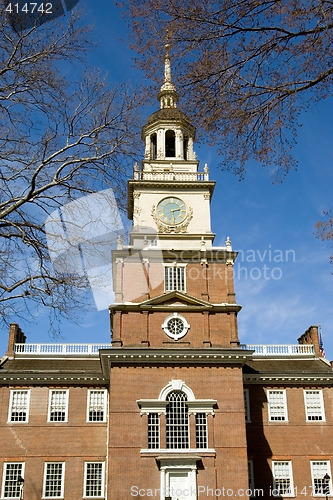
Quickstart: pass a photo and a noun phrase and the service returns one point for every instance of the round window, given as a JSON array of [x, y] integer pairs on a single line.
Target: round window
[[175, 326]]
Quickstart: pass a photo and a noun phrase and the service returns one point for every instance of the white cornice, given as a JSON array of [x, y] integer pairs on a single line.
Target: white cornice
[[288, 379], [169, 355]]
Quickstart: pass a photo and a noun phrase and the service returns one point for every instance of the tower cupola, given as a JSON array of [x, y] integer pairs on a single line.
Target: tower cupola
[[168, 133]]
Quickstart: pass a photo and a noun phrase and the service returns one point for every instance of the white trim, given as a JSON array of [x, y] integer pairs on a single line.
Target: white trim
[[178, 451], [176, 385], [284, 403], [175, 265], [62, 480], [51, 391], [288, 476], [102, 479], [5, 464], [321, 402], [327, 471], [175, 336], [12, 391], [196, 406], [177, 468], [89, 391]]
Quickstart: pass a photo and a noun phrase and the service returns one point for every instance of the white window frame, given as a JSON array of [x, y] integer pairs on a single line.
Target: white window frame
[[271, 411], [10, 409], [5, 465], [327, 470], [247, 405], [176, 336], [320, 413], [287, 477], [178, 417], [102, 481], [104, 405], [62, 480], [154, 432], [201, 430], [51, 391], [178, 266]]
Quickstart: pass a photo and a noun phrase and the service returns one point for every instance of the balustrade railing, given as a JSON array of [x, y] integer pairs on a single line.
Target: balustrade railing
[[93, 349], [171, 176], [280, 349], [60, 349]]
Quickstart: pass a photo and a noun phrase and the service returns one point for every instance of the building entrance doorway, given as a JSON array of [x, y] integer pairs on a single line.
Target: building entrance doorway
[[179, 486], [178, 482]]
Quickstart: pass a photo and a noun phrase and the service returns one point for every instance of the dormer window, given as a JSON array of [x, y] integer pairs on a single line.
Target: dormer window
[[170, 144]]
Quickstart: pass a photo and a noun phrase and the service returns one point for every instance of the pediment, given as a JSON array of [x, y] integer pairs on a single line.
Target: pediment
[[175, 298]]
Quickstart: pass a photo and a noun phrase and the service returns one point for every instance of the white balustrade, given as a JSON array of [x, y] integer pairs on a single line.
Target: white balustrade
[[172, 176], [93, 349], [280, 349], [60, 349]]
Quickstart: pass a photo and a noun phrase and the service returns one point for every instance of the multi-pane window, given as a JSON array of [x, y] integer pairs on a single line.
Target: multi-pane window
[[251, 474], [314, 405], [247, 405], [277, 405], [282, 475], [201, 430], [19, 406], [175, 278], [177, 421], [321, 478], [96, 406], [94, 479], [12, 480], [58, 405], [54, 480], [153, 431]]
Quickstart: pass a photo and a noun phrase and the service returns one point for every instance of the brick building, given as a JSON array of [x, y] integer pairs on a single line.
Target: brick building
[[175, 407]]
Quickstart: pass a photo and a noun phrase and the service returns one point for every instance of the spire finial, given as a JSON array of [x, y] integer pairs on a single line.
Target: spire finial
[[167, 96], [167, 65]]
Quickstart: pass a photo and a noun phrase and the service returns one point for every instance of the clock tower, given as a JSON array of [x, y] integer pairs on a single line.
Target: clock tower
[[175, 367], [168, 194]]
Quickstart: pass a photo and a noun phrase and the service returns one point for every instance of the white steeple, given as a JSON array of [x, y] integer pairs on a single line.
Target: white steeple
[[167, 96]]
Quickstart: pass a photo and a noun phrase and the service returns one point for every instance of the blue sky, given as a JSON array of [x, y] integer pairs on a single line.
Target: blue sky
[[283, 275]]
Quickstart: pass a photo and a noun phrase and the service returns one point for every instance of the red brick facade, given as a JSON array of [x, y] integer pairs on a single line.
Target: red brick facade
[[175, 408]]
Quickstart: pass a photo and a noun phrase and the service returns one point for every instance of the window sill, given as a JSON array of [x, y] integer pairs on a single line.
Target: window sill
[[207, 452]]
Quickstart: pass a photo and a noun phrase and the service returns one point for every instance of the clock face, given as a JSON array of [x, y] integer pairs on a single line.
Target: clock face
[[171, 210]]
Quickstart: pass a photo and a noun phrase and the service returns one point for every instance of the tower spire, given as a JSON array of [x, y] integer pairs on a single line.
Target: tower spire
[[167, 96], [167, 65]]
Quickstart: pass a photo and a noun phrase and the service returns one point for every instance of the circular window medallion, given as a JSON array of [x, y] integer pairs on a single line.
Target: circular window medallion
[[175, 326]]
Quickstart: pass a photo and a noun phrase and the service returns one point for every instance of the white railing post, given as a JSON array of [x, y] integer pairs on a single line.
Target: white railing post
[[280, 349]]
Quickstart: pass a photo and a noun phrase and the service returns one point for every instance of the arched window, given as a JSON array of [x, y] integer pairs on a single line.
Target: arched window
[[170, 143], [177, 423], [179, 405], [185, 147], [153, 146]]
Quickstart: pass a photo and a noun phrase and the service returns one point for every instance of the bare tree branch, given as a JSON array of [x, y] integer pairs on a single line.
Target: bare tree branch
[[60, 139]]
